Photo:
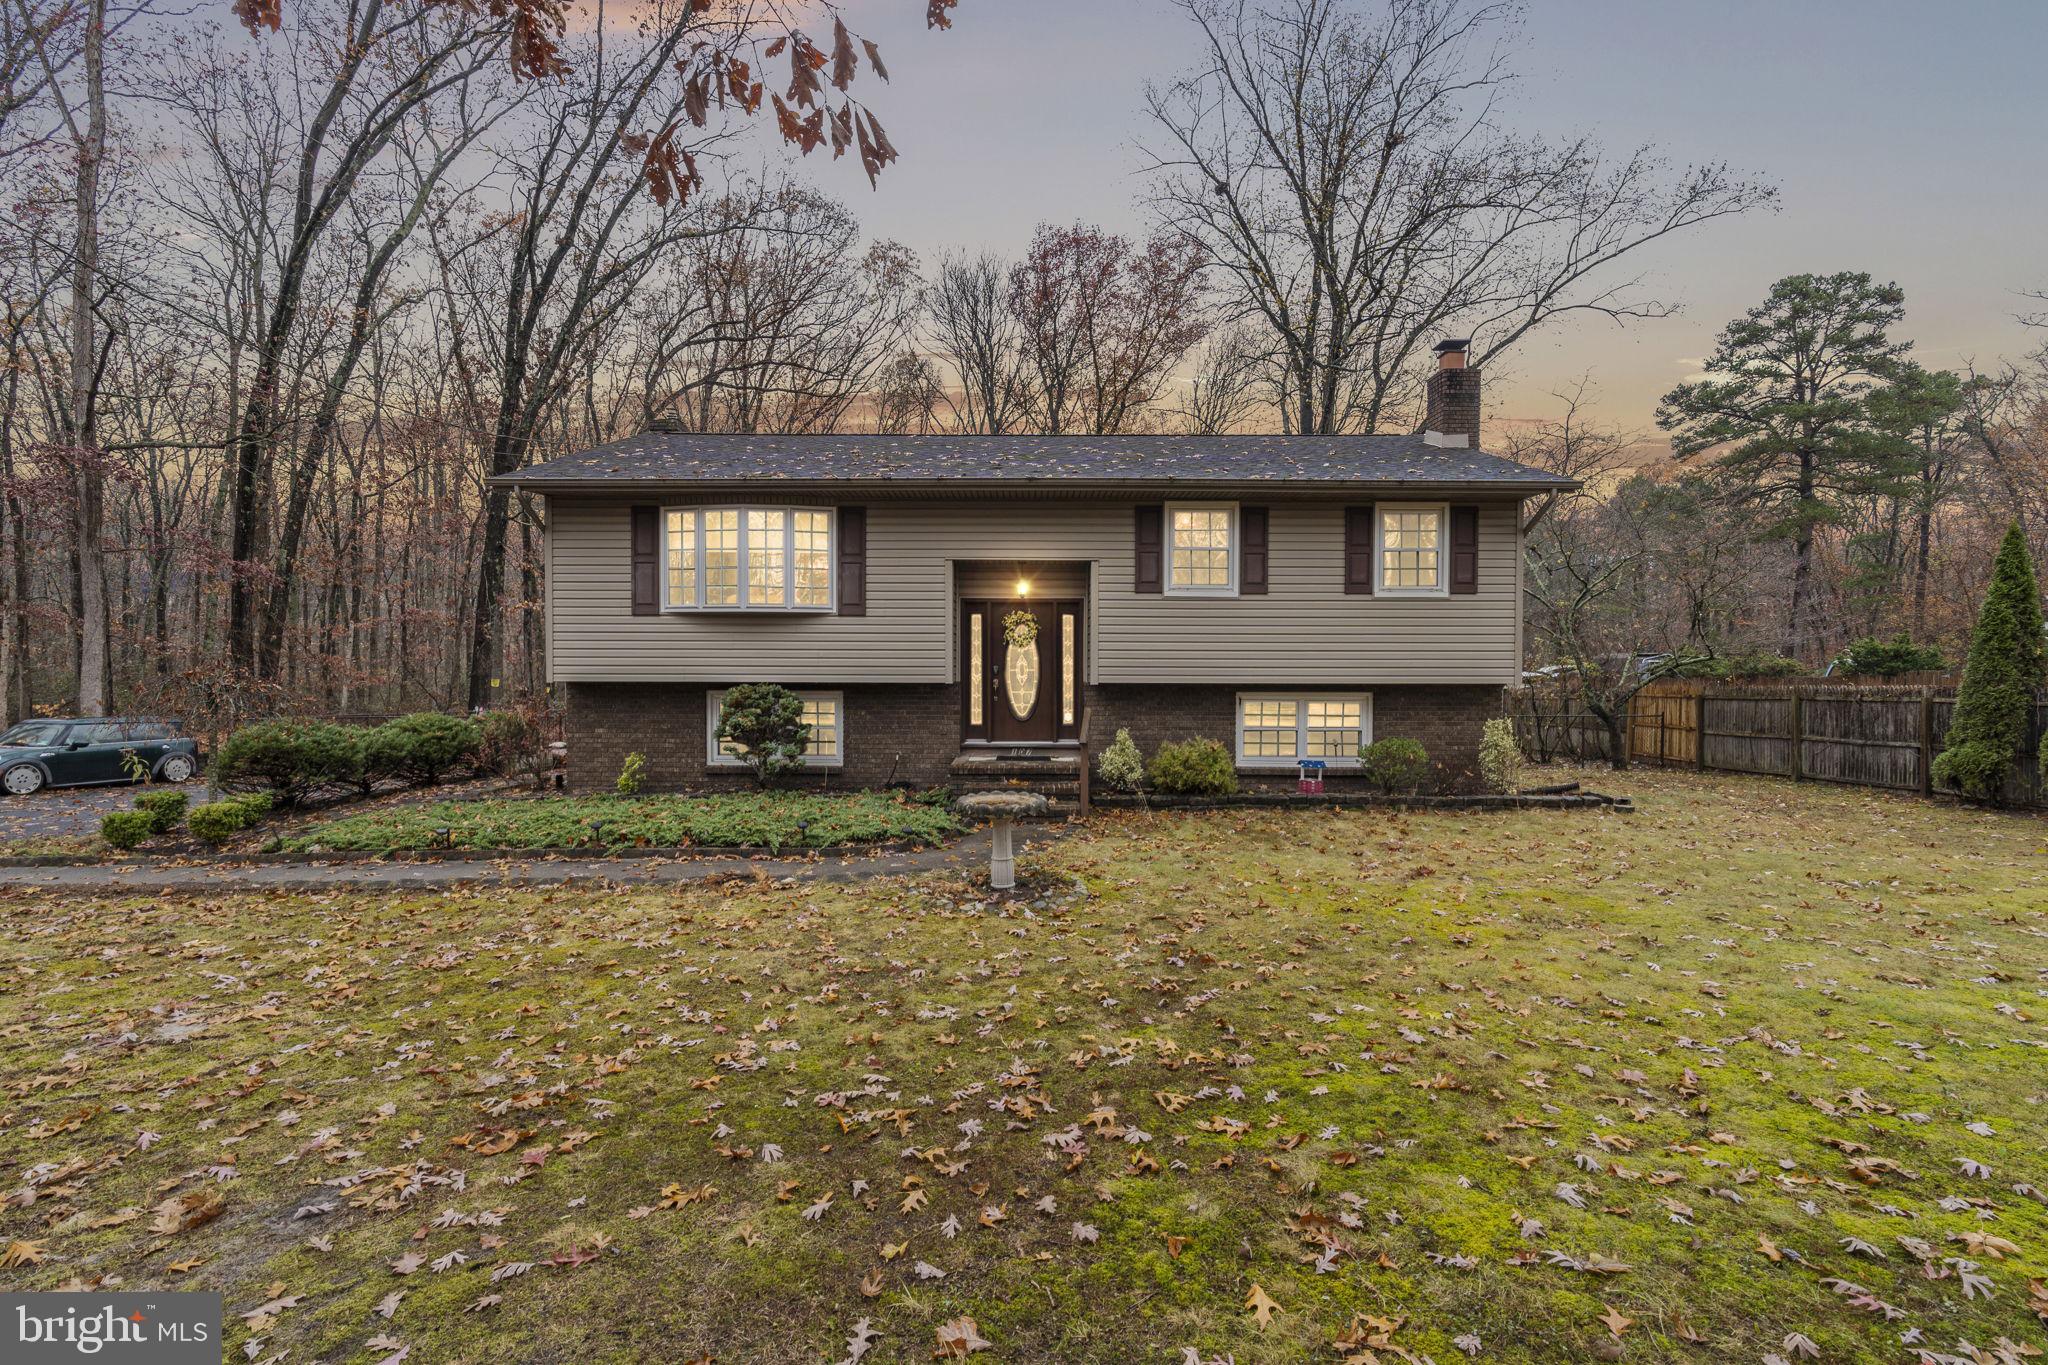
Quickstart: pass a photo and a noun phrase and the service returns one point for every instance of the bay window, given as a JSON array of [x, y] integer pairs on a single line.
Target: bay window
[[747, 559]]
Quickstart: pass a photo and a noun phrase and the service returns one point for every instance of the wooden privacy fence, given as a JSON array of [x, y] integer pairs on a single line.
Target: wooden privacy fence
[[1868, 736]]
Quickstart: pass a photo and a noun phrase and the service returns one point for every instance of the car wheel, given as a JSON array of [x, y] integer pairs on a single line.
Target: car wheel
[[23, 779], [176, 768]]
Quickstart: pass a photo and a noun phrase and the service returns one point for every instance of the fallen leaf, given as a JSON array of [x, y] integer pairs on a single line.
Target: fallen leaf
[[959, 1338]]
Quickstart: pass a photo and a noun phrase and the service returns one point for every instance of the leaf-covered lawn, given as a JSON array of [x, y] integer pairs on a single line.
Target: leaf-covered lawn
[[773, 820], [1757, 1072]]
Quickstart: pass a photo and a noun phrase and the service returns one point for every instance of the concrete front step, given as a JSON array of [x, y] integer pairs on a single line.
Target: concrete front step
[[1056, 777]]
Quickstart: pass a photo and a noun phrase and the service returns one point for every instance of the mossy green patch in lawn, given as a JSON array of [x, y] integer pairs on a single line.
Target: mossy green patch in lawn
[[1450, 1081]]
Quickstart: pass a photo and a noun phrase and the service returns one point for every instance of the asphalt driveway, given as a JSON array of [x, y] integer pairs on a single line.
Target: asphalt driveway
[[64, 813]]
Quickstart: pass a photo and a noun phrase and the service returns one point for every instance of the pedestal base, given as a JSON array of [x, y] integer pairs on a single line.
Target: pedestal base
[[1002, 858]]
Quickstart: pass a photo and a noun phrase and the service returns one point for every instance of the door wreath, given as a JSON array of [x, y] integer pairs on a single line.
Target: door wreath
[[1020, 628]]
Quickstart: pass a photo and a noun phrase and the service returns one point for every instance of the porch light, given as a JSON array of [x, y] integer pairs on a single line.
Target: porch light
[[1023, 587]]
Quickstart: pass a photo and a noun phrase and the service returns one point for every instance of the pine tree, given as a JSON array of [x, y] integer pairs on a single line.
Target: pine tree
[[1785, 410], [1999, 679]]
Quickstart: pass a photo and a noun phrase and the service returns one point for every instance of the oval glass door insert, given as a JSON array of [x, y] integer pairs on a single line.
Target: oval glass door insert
[[1020, 678]]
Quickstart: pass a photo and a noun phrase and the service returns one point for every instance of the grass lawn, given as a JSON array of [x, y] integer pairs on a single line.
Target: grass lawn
[[1756, 1072], [771, 820]]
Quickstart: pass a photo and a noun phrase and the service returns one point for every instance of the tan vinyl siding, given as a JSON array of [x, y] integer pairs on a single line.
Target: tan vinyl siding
[[1305, 631]]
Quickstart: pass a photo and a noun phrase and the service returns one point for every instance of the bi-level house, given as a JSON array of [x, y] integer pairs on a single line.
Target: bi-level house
[[946, 602]]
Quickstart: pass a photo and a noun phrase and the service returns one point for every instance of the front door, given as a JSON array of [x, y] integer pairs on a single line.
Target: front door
[[1022, 681], [1024, 677]]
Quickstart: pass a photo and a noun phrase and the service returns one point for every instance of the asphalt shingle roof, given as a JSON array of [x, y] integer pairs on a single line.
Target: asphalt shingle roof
[[663, 457]]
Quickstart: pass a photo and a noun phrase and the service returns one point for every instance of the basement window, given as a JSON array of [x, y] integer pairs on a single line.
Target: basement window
[[1279, 730], [824, 712]]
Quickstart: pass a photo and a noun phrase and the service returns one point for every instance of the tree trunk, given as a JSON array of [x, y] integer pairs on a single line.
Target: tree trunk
[[14, 693], [90, 489], [506, 450], [1925, 533], [1802, 561]]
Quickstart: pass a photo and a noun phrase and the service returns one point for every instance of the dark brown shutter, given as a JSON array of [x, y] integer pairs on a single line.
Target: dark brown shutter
[[853, 561], [1358, 574], [1150, 550], [1252, 525], [1464, 551], [646, 561]]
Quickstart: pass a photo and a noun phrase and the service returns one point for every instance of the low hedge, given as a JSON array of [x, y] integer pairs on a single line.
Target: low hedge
[[770, 820], [421, 749], [295, 759], [1394, 765], [220, 821], [290, 758], [1196, 767], [124, 829], [164, 809]]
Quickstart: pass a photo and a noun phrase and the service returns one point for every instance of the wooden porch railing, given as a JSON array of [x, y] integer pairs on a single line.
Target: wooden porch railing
[[1082, 737]]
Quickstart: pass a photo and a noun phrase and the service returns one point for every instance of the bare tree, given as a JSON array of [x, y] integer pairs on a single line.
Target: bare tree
[[1103, 322], [425, 156], [1228, 385], [793, 315], [908, 395], [397, 58], [1345, 177], [973, 329], [85, 126]]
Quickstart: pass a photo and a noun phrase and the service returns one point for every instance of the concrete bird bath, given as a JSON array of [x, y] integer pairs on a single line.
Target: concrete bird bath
[[1005, 808]]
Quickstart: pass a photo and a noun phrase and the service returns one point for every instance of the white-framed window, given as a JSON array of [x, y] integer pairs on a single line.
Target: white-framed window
[[824, 712], [1413, 551], [1280, 729], [1201, 548], [746, 558]]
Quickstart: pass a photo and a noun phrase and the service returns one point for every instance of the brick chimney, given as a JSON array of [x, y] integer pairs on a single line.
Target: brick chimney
[[1452, 418]]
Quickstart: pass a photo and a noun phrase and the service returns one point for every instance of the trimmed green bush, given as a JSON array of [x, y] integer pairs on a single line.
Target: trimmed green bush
[[291, 758], [164, 809], [1500, 756], [1395, 766], [124, 829], [631, 774], [1874, 658], [1999, 679], [1195, 767], [765, 721], [219, 821], [1121, 767], [1758, 665], [422, 748]]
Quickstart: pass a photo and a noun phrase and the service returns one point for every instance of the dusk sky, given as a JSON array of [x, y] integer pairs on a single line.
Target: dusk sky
[[1905, 139]]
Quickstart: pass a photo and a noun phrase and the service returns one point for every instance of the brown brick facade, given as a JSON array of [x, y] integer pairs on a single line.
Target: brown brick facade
[[1446, 719], [911, 733], [893, 732]]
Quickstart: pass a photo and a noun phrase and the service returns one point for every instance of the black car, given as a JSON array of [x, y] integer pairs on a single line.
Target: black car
[[92, 751]]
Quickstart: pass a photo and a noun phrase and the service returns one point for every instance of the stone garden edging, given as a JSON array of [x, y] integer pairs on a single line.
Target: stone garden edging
[[1281, 800]]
